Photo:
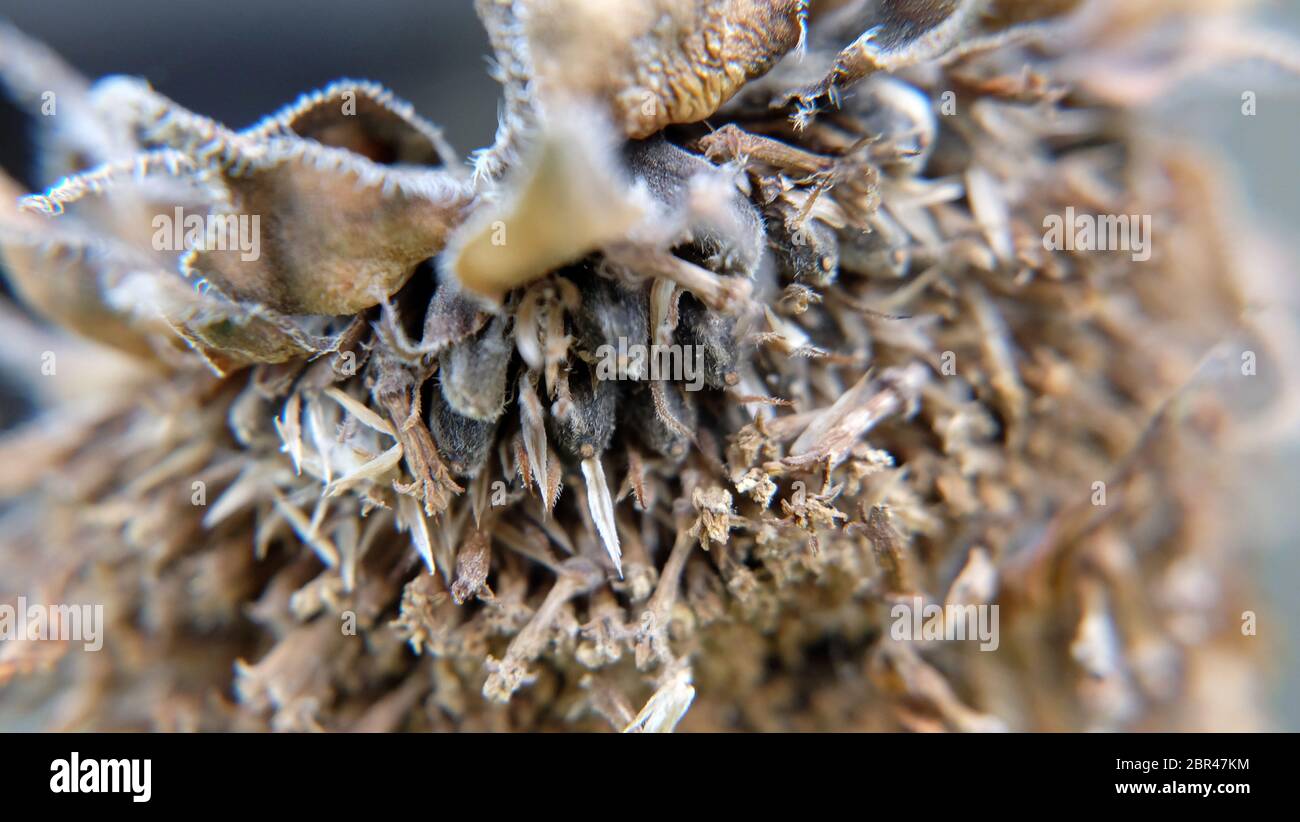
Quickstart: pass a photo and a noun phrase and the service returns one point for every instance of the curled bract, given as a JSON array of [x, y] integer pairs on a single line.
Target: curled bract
[[647, 64], [249, 241]]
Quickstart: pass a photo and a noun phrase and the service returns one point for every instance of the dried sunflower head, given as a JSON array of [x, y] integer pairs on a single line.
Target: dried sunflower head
[[769, 339]]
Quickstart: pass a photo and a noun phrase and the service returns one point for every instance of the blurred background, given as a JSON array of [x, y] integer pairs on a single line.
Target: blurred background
[[238, 60]]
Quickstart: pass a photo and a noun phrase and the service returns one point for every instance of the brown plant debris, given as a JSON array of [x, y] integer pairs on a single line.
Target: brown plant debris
[[386, 473]]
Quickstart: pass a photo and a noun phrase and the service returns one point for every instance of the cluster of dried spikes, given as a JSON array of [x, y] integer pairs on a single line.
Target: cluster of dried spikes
[[398, 412]]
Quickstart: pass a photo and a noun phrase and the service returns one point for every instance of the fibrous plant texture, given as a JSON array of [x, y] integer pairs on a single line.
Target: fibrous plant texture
[[763, 328]]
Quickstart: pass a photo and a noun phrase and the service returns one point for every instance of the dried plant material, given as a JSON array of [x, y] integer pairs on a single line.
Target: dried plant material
[[364, 118], [601, 506], [565, 199], [472, 566], [450, 318], [670, 401], [666, 707], [348, 247], [397, 392], [896, 34], [716, 220], [834, 431], [650, 64], [976, 583], [357, 231], [713, 507], [889, 552], [72, 295], [472, 373], [505, 676], [911, 678], [532, 420]]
